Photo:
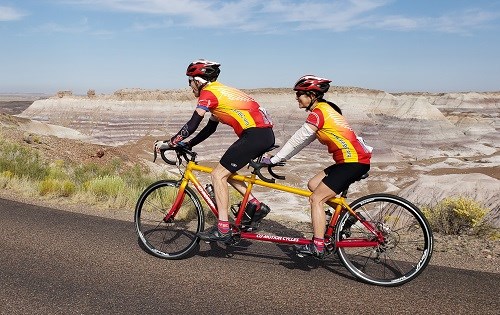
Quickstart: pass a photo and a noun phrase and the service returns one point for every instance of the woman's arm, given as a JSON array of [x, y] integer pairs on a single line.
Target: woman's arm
[[300, 139]]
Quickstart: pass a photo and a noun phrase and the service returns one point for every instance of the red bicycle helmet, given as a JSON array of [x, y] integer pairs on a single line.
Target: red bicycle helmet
[[208, 70], [312, 83]]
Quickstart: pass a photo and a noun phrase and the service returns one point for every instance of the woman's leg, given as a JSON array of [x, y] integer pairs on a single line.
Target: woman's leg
[[317, 200], [314, 182]]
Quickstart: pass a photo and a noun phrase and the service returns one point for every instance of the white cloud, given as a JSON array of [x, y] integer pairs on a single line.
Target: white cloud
[[326, 15], [464, 22], [152, 25], [10, 14], [460, 22], [158, 7], [79, 27], [256, 15], [398, 23], [286, 15]]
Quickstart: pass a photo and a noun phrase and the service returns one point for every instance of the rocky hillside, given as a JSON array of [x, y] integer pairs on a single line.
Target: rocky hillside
[[427, 145], [399, 126]]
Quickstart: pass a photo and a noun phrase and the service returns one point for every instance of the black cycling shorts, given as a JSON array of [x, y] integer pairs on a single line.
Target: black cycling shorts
[[340, 176], [252, 143]]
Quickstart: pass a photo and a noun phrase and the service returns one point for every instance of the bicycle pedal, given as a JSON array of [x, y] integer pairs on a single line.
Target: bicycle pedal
[[328, 252], [248, 228], [235, 239]]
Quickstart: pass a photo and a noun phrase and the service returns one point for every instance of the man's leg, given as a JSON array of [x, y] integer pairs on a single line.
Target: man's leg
[[241, 187], [255, 210], [222, 231], [236, 156], [220, 179]]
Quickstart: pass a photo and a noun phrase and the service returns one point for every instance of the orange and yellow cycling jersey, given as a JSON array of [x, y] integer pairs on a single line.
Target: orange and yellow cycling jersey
[[233, 107], [334, 132]]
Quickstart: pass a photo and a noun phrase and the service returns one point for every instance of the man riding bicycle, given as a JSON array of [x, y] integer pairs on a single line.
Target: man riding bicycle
[[251, 124]]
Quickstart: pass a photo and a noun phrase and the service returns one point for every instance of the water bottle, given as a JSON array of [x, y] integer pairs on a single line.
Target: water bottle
[[328, 213], [351, 220], [211, 193]]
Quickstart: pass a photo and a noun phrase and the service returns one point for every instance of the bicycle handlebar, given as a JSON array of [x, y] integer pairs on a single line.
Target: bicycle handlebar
[[182, 151], [257, 166]]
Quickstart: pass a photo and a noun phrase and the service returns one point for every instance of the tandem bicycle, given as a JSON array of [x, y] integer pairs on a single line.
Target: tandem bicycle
[[382, 239]]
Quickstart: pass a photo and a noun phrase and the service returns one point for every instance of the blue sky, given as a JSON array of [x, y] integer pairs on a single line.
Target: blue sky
[[106, 45]]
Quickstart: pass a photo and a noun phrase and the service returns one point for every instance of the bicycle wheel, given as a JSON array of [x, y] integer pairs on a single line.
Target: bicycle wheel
[[407, 248], [173, 239]]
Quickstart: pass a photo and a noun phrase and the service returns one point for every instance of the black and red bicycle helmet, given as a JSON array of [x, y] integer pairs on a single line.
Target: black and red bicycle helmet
[[205, 69], [312, 83]]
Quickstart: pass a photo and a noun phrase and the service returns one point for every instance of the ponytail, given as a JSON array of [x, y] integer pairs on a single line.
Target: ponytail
[[334, 106]]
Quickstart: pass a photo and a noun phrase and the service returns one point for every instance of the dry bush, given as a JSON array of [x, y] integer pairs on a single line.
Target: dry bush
[[62, 94], [57, 187], [152, 95], [455, 216]]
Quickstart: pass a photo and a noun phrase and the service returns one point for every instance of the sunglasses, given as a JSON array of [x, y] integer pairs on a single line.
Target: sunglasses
[[299, 93], [190, 80]]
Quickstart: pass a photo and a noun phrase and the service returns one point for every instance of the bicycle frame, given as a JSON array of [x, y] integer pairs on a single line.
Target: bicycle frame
[[339, 204]]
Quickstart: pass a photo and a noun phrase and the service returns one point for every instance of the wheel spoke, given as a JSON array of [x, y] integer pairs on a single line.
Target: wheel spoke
[[407, 245], [177, 237]]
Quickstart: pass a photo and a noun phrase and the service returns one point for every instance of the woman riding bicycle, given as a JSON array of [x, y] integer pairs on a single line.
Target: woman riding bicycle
[[351, 155], [251, 124]]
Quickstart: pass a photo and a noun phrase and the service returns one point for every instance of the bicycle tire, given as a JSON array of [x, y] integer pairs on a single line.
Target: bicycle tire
[[408, 244], [176, 238]]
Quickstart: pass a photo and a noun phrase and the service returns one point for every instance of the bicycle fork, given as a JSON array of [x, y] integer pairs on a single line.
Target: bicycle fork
[[181, 192], [176, 206]]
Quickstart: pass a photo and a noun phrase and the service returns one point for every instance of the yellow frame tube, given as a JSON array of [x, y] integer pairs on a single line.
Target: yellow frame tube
[[192, 166]]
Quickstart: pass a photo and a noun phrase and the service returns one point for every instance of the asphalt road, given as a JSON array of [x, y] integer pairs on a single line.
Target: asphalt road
[[57, 262]]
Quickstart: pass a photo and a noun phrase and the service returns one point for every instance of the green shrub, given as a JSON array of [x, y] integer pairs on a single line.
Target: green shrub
[[138, 177], [57, 187], [105, 187], [5, 178], [57, 170], [7, 174], [89, 171], [21, 161], [455, 216]]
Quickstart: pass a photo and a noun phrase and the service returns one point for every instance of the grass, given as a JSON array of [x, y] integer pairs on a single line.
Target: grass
[[21, 161], [113, 185]]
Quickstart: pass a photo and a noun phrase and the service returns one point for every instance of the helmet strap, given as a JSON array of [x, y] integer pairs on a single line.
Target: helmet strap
[[200, 83], [201, 80], [313, 99]]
